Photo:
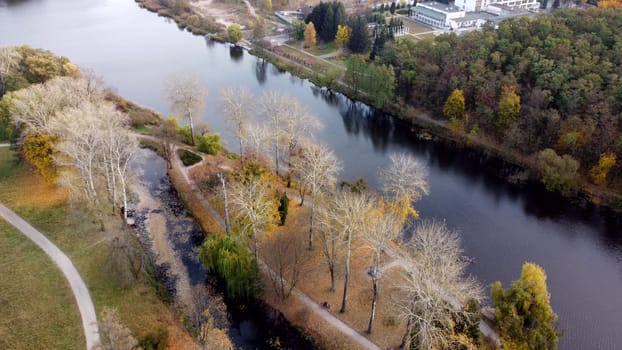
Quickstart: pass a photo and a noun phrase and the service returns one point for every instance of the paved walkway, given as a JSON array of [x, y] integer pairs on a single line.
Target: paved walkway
[[80, 292], [5, 145]]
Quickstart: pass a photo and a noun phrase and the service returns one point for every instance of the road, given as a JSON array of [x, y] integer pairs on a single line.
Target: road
[[78, 287]]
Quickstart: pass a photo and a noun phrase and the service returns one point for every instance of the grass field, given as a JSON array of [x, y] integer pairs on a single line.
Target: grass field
[[47, 209]]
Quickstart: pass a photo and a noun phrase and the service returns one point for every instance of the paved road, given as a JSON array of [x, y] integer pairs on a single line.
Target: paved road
[[5, 145], [80, 292]]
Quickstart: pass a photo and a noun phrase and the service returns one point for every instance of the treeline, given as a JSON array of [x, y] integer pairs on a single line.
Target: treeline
[[546, 83]]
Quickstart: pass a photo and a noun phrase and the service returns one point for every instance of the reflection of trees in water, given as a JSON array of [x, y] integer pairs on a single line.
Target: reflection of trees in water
[[276, 70], [261, 71], [236, 53], [208, 42]]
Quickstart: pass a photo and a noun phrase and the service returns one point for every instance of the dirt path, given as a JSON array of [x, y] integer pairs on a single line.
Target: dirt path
[[78, 287]]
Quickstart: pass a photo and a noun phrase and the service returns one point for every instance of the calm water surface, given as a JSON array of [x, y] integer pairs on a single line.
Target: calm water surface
[[503, 225]]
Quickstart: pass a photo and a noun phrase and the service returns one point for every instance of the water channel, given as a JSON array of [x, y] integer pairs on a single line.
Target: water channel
[[503, 225]]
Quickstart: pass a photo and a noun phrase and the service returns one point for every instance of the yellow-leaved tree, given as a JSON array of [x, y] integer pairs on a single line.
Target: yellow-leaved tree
[[599, 172], [343, 36], [39, 152], [310, 35]]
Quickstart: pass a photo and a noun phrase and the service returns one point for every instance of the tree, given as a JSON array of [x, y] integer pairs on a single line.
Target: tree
[[328, 29], [286, 256], [523, 311], [310, 35], [359, 41], [267, 5], [454, 107], [316, 169], [434, 293], [599, 172], [404, 181], [209, 144], [9, 60], [343, 36], [167, 134], [235, 33], [509, 108], [330, 236], [255, 208], [558, 173], [356, 68], [114, 335], [39, 150], [350, 212], [379, 83], [385, 227], [283, 207], [228, 256], [299, 28], [392, 8], [237, 104], [186, 96]]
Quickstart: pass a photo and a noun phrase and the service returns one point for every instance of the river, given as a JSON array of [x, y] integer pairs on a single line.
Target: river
[[503, 225]]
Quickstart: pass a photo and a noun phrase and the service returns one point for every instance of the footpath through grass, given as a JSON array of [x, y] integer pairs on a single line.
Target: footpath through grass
[[46, 208]]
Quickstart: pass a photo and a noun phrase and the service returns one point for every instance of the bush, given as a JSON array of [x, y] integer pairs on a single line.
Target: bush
[[154, 340], [186, 135], [189, 158], [209, 144], [558, 173]]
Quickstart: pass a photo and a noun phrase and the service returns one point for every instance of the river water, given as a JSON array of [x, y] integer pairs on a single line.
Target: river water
[[503, 225]]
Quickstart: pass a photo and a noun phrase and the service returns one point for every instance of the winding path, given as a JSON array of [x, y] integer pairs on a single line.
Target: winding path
[[80, 291]]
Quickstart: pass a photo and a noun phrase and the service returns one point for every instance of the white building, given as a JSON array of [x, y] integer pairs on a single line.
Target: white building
[[437, 15], [482, 5]]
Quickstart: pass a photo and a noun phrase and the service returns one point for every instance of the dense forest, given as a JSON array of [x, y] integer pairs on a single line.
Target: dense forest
[[548, 82]]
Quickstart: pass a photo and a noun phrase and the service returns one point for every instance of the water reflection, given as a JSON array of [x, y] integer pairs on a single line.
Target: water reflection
[[261, 70], [236, 53]]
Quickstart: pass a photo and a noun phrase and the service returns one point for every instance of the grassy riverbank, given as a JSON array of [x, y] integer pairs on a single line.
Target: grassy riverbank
[[48, 314]]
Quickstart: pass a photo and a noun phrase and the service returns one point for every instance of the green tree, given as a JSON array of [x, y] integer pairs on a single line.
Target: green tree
[[523, 311], [310, 35], [283, 207], [355, 71], [380, 83], [558, 173], [235, 33], [298, 30], [392, 8], [454, 107], [229, 257], [359, 41], [329, 29]]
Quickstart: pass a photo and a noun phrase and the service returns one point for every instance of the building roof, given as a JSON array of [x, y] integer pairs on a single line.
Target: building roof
[[438, 6]]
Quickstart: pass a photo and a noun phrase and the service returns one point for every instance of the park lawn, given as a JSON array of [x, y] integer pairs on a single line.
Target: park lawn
[[47, 209], [322, 48], [37, 306]]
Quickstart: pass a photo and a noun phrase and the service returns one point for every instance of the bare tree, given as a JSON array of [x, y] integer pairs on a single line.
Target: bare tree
[[255, 207], [285, 254], [350, 212], [187, 97], [238, 105], [223, 184], [316, 169], [384, 228], [9, 60], [435, 290], [297, 128], [274, 108], [330, 238], [405, 181], [168, 135], [115, 336], [258, 140]]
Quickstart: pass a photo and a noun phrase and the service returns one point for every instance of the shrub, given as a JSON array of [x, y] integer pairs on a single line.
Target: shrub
[[186, 136], [154, 340], [558, 173], [189, 158], [210, 144]]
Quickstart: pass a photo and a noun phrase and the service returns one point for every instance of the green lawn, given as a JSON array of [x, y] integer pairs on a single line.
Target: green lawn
[[37, 307], [323, 49], [47, 209]]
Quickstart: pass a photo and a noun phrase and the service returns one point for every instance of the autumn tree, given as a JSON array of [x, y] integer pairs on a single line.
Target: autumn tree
[[286, 256], [330, 236], [509, 108], [39, 150], [237, 103], [599, 172], [436, 297], [267, 5], [235, 33], [167, 133], [343, 36], [404, 182], [254, 207], [454, 107], [310, 36], [186, 96], [9, 60], [384, 228], [316, 169], [523, 311], [350, 212]]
